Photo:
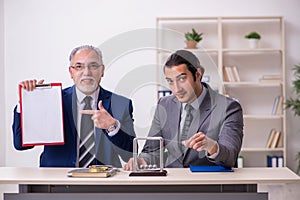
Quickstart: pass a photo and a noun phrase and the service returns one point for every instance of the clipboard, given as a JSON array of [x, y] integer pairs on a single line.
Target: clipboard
[[217, 168], [41, 114]]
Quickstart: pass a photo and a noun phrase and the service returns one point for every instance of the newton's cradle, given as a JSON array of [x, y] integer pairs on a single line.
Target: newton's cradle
[[150, 169]]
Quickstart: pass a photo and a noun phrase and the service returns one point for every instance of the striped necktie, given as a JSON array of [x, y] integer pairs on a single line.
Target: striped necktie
[[87, 140]]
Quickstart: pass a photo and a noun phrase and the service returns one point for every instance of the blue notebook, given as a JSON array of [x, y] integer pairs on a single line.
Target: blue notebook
[[217, 168]]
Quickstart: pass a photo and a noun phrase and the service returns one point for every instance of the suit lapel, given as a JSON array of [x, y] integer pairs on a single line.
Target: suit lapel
[[206, 107], [175, 112], [105, 96]]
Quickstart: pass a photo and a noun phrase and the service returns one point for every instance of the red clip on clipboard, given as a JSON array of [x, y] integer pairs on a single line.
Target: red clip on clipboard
[[42, 115]]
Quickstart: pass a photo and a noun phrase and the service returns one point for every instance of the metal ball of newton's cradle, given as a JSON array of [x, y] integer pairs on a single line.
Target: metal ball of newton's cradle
[[154, 166]]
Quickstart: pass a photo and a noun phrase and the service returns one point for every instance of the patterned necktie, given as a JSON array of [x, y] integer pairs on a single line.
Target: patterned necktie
[[87, 141], [187, 123]]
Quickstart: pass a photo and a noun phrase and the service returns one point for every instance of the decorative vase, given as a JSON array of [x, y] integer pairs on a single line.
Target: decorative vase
[[191, 44], [253, 43]]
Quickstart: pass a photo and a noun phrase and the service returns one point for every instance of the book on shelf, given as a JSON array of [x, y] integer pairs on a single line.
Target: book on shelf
[[275, 161], [226, 75], [274, 138], [271, 138], [235, 74], [270, 78], [231, 74], [205, 78], [277, 139], [277, 106], [162, 93], [280, 162]]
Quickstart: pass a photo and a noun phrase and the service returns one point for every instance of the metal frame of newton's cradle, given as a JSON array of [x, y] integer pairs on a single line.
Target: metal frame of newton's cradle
[[147, 172]]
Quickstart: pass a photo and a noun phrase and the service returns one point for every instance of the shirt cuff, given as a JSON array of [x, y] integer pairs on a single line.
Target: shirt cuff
[[213, 156], [114, 132]]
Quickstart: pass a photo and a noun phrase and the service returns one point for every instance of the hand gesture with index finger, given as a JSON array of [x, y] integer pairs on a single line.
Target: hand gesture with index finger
[[102, 119]]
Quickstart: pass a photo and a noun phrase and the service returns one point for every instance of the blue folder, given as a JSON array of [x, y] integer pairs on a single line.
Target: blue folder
[[217, 168]]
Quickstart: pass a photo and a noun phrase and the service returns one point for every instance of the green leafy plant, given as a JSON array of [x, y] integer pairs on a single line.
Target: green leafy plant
[[253, 35], [193, 36], [294, 103]]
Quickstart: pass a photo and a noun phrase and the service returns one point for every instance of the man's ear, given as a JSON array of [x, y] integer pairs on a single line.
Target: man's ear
[[198, 74], [70, 71], [102, 70]]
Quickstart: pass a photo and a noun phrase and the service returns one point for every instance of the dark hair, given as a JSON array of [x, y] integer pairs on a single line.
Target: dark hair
[[185, 57]]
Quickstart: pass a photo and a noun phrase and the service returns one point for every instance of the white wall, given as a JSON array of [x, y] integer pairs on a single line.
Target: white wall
[[40, 34]]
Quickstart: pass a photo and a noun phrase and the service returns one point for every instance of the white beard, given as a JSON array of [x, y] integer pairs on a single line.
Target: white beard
[[87, 89]]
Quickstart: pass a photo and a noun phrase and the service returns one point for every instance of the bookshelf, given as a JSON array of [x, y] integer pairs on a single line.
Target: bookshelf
[[261, 71]]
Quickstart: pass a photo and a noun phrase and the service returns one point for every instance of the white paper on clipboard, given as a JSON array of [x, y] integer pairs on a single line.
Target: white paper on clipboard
[[42, 115]]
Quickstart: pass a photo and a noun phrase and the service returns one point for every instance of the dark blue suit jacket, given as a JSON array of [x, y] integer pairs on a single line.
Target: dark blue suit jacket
[[108, 149]]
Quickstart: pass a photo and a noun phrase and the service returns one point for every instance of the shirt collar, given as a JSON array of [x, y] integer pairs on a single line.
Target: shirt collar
[[81, 96], [195, 104]]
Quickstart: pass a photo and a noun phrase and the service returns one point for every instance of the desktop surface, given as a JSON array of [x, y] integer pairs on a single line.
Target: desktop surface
[[175, 176]]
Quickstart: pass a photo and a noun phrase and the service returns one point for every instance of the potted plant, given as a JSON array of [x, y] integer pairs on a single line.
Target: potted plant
[[294, 103], [192, 39], [253, 38]]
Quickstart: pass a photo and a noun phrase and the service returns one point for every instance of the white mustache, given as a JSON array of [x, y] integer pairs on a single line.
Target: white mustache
[[87, 78]]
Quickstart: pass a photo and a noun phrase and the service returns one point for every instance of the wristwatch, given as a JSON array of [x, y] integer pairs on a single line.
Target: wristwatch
[[112, 127]]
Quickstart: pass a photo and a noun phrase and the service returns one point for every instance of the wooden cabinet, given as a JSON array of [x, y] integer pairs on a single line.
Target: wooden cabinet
[[224, 45]]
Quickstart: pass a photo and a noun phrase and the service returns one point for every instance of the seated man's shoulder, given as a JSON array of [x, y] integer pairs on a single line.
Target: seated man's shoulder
[[167, 99], [231, 102]]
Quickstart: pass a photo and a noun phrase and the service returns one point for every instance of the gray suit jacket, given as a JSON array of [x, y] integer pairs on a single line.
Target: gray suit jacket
[[221, 118]]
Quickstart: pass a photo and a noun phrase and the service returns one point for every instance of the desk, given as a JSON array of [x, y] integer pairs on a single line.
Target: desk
[[53, 183]]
